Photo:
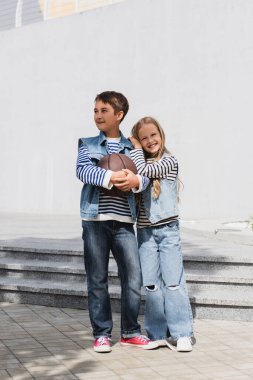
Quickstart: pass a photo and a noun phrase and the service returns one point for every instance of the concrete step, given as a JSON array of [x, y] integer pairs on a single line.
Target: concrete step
[[52, 255], [197, 295], [57, 271], [30, 267], [219, 268], [219, 280], [46, 292], [200, 252], [206, 302], [230, 273], [46, 270]]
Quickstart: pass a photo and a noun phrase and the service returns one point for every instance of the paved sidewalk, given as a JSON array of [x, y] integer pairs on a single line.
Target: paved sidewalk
[[39, 342]]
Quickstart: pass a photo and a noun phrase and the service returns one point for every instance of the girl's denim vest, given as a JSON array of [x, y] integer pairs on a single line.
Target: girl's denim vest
[[90, 194], [165, 206]]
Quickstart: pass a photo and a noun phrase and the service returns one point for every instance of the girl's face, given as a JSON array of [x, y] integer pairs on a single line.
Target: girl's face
[[150, 138]]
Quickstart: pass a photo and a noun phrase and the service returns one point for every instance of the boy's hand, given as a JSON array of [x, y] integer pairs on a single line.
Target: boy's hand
[[135, 142], [130, 181], [117, 176]]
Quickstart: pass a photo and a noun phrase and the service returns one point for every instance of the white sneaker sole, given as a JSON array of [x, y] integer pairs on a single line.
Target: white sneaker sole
[[150, 346], [102, 349], [179, 349], [161, 343], [184, 349]]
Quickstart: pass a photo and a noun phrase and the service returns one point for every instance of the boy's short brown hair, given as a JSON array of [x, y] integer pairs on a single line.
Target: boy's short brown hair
[[117, 100]]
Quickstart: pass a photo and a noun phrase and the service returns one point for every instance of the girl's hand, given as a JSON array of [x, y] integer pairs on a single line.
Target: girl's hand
[[130, 181], [135, 142]]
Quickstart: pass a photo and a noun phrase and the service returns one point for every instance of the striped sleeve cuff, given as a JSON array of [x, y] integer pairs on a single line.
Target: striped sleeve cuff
[[143, 183], [106, 182]]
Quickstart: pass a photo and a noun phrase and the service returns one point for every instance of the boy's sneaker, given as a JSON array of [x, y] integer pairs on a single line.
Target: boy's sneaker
[[102, 344], [139, 341], [183, 344]]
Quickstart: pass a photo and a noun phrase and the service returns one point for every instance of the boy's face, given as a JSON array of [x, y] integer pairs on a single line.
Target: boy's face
[[106, 119]]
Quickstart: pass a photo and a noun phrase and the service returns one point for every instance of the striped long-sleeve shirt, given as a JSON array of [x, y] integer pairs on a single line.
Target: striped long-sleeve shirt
[[116, 208], [165, 168]]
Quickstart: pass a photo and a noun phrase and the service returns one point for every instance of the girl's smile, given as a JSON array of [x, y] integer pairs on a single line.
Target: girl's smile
[[150, 138]]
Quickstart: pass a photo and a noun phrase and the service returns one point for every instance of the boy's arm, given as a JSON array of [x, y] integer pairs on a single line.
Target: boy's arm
[[89, 173], [167, 166]]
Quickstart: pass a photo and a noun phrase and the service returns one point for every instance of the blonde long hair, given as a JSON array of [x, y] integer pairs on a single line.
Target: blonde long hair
[[135, 133]]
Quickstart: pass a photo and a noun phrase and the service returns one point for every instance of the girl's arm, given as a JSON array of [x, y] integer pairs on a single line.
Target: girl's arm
[[166, 167]]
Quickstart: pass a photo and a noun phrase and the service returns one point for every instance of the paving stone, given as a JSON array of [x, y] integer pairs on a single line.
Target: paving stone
[[38, 352], [65, 359], [247, 371], [4, 375], [95, 376], [19, 374], [46, 361], [241, 377], [139, 376], [62, 377], [220, 371], [48, 370], [171, 376], [10, 365], [112, 364], [175, 370], [12, 360]]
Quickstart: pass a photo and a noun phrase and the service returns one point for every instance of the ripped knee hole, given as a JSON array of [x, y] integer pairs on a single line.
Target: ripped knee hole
[[173, 287], [152, 288]]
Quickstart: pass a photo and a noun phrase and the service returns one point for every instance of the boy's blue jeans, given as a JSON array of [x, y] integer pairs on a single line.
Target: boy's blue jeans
[[167, 302], [99, 238]]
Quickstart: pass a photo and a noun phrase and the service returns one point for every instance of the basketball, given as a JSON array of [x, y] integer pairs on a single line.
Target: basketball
[[116, 162]]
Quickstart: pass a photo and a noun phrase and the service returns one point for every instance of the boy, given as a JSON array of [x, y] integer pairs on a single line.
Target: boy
[[108, 225]]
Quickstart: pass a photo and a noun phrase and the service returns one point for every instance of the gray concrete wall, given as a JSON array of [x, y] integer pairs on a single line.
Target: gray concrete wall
[[186, 62]]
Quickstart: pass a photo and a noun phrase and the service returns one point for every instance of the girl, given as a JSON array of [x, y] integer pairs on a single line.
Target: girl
[[168, 311]]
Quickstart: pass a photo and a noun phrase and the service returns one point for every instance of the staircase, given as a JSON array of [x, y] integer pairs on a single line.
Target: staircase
[[219, 276]]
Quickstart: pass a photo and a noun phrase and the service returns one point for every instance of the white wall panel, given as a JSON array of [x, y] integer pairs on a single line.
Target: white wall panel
[[186, 62]]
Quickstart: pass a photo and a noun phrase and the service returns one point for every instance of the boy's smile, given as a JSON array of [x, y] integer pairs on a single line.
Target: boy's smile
[[106, 119], [150, 138]]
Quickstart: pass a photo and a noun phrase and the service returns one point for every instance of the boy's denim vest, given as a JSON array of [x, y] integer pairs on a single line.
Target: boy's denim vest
[[165, 206], [90, 194]]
